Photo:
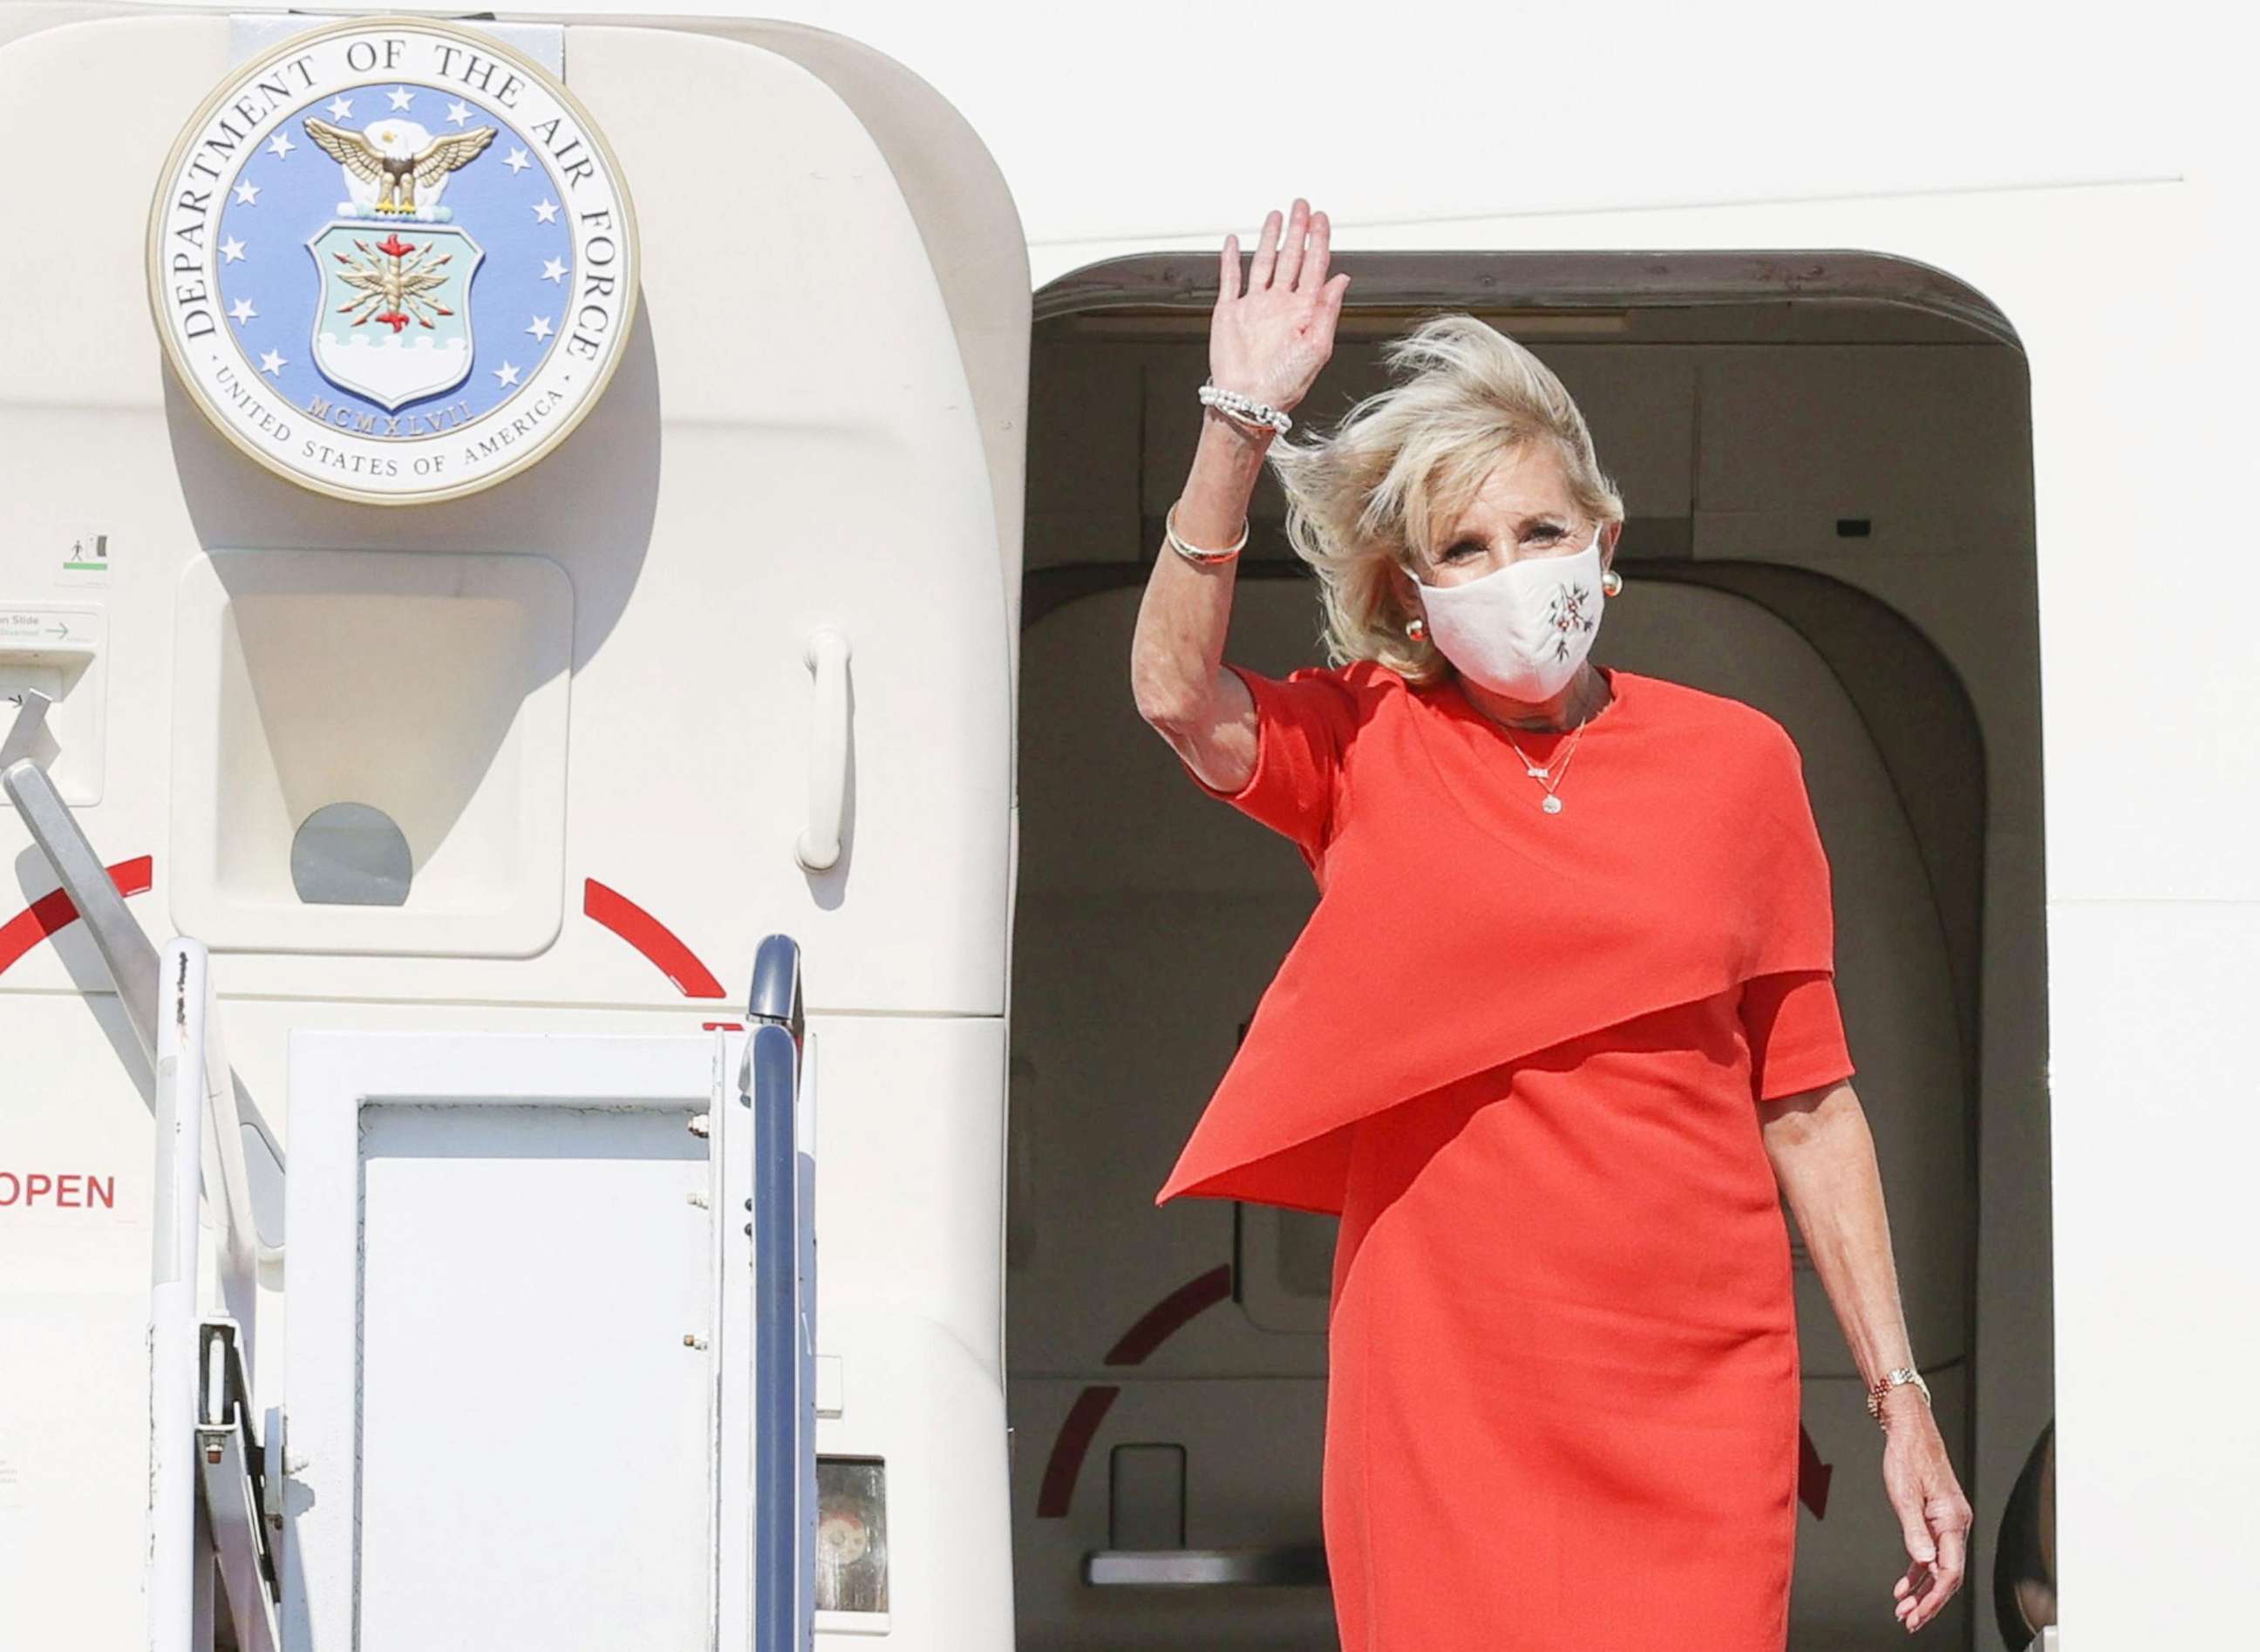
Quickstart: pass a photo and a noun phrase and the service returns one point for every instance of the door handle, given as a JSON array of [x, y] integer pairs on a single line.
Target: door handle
[[818, 845]]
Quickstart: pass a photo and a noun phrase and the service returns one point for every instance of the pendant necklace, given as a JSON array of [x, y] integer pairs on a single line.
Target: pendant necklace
[[1543, 773], [1552, 804]]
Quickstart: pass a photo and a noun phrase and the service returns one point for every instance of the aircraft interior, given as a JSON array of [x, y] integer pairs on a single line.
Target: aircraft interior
[[1827, 470]]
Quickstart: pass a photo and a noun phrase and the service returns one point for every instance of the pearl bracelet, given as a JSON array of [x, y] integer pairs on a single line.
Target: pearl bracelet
[[1193, 553], [1244, 410]]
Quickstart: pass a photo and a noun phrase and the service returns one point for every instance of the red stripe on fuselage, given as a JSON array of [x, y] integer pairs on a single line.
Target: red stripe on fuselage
[[56, 911], [653, 939]]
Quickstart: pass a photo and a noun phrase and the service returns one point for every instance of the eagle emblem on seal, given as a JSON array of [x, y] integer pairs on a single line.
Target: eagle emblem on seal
[[400, 158]]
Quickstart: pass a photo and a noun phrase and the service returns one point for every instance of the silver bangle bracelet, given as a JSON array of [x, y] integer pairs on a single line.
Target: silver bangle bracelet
[[1244, 410], [1193, 553]]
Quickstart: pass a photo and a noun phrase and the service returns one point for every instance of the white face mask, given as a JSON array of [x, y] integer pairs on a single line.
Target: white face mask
[[1521, 630]]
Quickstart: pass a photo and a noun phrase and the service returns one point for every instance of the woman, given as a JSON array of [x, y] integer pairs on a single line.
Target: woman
[[1559, 1034]]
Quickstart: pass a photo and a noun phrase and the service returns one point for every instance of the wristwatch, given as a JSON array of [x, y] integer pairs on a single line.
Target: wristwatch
[[1890, 1380]]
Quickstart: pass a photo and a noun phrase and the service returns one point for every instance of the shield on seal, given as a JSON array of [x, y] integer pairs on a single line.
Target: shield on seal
[[394, 321]]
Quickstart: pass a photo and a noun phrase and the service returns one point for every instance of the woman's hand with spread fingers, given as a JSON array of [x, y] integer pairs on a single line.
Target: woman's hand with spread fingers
[[1269, 341]]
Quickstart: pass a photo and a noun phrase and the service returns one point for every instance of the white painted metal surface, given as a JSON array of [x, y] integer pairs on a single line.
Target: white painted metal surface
[[460, 668], [668, 842], [501, 1382]]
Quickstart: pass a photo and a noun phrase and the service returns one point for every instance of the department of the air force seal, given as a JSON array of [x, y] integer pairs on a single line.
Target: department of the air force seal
[[393, 261]]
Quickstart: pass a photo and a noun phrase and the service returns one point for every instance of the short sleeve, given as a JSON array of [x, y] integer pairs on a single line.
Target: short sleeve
[[1303, 729], [1786, 920], [1796, 1032]]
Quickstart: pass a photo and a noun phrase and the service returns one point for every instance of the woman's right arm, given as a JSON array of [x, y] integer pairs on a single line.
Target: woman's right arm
[[1269, 343]]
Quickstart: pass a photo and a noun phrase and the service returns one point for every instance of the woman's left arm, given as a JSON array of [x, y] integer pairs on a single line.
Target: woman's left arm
[[1825, 1159]]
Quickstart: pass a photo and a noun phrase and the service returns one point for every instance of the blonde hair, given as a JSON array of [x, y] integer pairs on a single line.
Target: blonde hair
[[1403, 466]]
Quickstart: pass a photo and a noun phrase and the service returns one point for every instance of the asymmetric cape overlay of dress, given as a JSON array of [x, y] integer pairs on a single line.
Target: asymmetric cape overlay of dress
[[1520, 1053], [1460, 926]]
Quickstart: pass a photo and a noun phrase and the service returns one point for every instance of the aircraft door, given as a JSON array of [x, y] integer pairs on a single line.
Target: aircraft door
[[698, 624]]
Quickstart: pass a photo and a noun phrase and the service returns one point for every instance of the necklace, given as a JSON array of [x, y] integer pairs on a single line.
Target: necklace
[[1552, 804], [1543, 773]]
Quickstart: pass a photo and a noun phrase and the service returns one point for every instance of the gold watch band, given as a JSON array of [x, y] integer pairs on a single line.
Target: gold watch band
[[1904, 1375]]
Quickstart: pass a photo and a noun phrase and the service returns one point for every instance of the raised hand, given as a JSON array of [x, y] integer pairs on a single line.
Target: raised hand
[[1269, 341]]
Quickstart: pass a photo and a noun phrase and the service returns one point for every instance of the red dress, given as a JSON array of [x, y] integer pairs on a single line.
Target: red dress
[[1519, 1054]]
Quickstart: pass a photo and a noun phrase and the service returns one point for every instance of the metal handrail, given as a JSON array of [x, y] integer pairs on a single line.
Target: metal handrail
[[126, 951], [188, 1003], [176, 1377], [775, 994], [770, 1077], [202, 1447], [131, 959]]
